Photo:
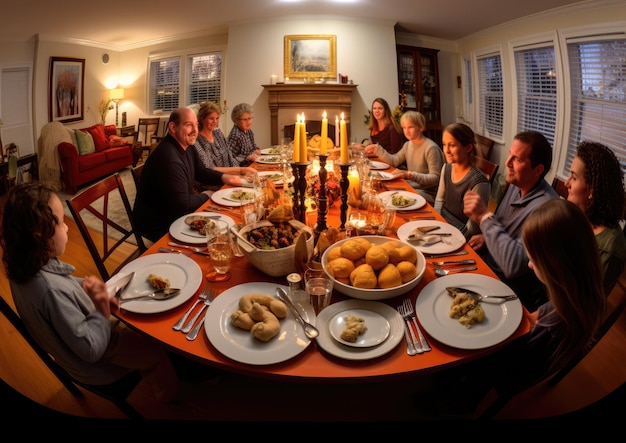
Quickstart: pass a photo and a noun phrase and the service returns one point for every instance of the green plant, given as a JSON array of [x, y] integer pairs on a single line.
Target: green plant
[[104, 108]]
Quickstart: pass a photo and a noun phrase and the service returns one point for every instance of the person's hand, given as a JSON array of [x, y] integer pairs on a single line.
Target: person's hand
[[247, 171], [477, 241], [96, 290], [473, 206], [370, 149], [399, 173]]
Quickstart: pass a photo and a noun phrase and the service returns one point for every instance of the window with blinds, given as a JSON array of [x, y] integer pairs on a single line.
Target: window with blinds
[[598, 91], [468, 101], [174, 83], [535, 70], [491, 95]]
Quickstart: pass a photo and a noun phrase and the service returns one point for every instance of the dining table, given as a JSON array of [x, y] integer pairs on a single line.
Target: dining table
[[313, 363]]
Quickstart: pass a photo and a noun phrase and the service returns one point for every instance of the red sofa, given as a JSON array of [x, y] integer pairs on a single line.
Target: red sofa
[[112, 153]]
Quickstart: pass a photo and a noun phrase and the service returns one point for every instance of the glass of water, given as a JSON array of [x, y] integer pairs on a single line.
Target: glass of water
[[220, 251]]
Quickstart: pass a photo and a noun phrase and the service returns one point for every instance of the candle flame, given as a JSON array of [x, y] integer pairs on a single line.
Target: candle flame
[[342, 115], [324, 114]]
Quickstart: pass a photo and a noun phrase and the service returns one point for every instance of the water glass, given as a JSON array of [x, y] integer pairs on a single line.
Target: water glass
[[220, 250], [319, 288]]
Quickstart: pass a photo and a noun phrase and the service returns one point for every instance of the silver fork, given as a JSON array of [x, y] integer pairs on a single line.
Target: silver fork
[[203, 296], [411, 341], [192, 335], [408, 306]]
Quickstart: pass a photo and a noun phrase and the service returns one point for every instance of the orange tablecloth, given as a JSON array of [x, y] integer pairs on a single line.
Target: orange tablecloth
[[314, 363]]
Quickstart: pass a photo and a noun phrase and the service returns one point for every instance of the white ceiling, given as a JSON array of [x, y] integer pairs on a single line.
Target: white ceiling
[[127, 23]]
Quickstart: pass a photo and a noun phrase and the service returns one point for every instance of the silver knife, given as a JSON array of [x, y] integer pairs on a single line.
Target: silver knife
[[122, 284], [447, 254]]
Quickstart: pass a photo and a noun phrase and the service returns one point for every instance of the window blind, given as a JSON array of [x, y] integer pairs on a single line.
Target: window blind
[[598, 91], [164, 84], [536, 91], [491, 95], [205, 81]]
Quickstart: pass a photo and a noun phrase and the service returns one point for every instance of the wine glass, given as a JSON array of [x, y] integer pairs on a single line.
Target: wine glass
[[220, 251]]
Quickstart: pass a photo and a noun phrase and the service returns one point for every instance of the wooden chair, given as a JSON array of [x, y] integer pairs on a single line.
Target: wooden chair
[[484, 146], [559, 187], [434, 131], [489, 168], [149, 128], [116, 392], [95, 200], [137, 170]]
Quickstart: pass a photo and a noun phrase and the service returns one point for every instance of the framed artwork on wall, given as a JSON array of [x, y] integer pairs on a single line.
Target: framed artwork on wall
[[311, 56], [66, 89]]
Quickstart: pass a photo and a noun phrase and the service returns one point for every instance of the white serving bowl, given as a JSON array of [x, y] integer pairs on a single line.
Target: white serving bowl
[[376, 294]]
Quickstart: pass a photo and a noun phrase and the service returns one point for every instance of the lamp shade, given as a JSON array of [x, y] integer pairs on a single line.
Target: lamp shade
[[116, 94]]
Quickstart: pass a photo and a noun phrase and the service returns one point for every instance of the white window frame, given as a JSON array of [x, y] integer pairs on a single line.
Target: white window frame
[[467, 76]]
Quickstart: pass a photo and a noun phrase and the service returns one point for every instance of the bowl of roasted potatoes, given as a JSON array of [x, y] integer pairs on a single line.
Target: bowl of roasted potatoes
[[373, 267]]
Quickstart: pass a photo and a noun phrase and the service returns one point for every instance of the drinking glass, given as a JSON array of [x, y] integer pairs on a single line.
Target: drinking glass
[[319, 288], [220, 250]]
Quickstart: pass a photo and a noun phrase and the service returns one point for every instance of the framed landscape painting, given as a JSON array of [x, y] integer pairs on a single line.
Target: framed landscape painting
[[66, 89], [311, 56]]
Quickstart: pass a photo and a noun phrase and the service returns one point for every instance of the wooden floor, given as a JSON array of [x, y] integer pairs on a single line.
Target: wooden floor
[[244, 399]]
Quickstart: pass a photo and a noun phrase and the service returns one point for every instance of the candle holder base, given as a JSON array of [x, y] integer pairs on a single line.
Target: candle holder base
[[343, 184]]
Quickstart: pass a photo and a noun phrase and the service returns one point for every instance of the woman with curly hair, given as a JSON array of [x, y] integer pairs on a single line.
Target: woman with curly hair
[[384, 130], [596, 185]]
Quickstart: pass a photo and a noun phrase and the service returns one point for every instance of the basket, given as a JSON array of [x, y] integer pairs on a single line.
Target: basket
[[273, 262]]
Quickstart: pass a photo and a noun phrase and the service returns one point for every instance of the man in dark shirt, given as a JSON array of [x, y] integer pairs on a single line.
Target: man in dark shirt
[[165, 191]]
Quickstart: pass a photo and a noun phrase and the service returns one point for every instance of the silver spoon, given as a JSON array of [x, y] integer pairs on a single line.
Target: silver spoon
[[441, 272], [309, 330], [192, 248], [161, 294]]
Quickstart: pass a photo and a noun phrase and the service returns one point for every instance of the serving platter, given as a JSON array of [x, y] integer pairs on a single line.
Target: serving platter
[[448, 243], [180, 270], [182, 232], [326, 341], [501, 319], [239, 344]]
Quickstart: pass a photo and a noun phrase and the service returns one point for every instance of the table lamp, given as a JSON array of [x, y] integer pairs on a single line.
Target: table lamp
[[116, 95]]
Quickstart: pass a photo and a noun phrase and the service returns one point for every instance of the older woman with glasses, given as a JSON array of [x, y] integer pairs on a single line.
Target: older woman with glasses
[[241, 138]]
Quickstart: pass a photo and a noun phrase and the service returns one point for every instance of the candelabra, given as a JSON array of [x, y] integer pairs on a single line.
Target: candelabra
[[343, 183], [322, 204], [299, 190]]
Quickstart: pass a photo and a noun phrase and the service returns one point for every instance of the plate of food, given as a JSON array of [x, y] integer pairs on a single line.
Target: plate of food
[[272, 159], [272, 150], [350, 352], [381, 175], [189, 228], [376, 165], [434, 306], [450, 240], [277, 177], [402, 200], [239, 344], [232, 196], [177, 270], [361, 328]]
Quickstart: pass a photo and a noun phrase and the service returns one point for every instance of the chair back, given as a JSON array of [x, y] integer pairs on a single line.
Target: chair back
[[434, 131], [489, 168], [117, 229], [149, 127], [137, 170], [116, 392], [559, 187]]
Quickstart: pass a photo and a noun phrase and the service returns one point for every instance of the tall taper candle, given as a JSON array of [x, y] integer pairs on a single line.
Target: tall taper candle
[[303, 148], [324, 134], [336, 131], [296, 140], [345, 158]]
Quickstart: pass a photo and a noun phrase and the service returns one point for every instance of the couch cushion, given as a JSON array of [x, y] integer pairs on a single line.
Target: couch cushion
[[87, 162], [113, 154], [117, 141], [84, 142], [100, 140], [110, 130]]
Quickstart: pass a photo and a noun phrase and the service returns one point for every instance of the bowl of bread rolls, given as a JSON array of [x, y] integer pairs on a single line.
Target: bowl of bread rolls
[[373, 267]]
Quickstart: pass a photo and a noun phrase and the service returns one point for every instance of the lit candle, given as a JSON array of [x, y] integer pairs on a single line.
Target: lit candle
[[336, 131], [303, 147], [324, 134], [354, 186], [345, 158], [296, 141]]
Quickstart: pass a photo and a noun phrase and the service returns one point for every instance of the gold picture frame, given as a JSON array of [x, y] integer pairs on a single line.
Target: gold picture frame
[[311, 56]]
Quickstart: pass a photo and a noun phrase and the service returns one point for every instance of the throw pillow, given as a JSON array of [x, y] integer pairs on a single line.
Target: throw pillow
[[100, 140], [85, 142], [116, 140]]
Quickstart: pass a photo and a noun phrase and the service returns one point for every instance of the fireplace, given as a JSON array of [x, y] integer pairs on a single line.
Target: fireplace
[[289, 99]]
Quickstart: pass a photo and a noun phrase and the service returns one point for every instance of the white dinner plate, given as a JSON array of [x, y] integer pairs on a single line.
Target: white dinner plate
[[274, 150], [180, 270], [382, 175], [278, 176], [418, 202], [501, 319], [239, 344], [449, 243], [272, 159], [377, 328], [223, 196], [183, 233], [326, 341], [376, 165]]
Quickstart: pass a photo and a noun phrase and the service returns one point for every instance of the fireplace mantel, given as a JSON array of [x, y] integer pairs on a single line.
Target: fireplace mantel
[[289, 99]]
